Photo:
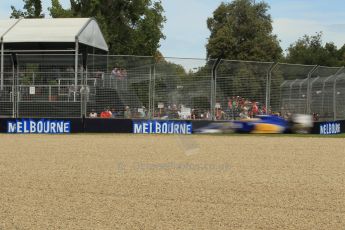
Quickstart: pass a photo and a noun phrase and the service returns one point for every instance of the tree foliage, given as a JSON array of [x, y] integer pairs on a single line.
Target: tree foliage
[[242, 30], [31, 9], [57, 11], [130, 27], [310, 50]]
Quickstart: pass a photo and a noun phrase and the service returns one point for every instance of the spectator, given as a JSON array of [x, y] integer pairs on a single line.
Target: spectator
[[113, 113], [287, 116], [93, 114], [207, 115], [116, 74], [72, 92], [244, 113], [174, 113], [70, 69], [142, 112], [114, 71], [113, 76], [255, 109], [193, 114], [315, 116], [229, 104], [220, 115], [123, 73], [264, 111], [127, 114], [106, 113], [85, 92]]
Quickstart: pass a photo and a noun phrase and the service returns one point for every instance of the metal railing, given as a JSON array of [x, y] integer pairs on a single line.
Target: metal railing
[[166, 88]]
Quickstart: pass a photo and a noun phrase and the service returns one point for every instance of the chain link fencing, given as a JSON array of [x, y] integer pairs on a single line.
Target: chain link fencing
[[182, 88], [7, 87], [241, 89], [48, 86], [123, 85], [139, 87]]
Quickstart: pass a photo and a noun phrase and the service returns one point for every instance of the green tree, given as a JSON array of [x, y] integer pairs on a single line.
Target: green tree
[[341, 55], [310, 50], [130, 27], [57, 11], [32, 9], [242, 30]]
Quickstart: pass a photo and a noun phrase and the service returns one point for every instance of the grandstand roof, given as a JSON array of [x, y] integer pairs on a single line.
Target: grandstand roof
[[62, 30]]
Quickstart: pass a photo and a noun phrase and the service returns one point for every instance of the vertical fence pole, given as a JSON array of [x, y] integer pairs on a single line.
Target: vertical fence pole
[[268, 86], [153, 90], [312, 83], [309, 88], [17, 86], [334, 99], [150, 94], [13, 89], [211, 97], [290, 94], [214, 88], [323, 92], [335, 93], [86, 96], [50, 93], [76, 61], [2, 66]]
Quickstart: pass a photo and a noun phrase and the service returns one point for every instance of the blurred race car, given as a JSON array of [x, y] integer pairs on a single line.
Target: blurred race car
[[261, 124]]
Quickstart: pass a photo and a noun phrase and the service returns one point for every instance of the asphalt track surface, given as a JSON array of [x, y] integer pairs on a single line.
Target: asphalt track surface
[[171, 182]]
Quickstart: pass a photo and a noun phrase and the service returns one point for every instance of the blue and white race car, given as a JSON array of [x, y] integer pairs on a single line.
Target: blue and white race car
[[268, 124]]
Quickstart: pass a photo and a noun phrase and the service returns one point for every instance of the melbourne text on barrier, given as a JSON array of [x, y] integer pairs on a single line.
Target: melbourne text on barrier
[[330, 128], [162, 127], [41, 126]]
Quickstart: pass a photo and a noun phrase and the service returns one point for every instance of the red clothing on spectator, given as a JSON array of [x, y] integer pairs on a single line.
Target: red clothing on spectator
[[106, 114], [264, 110], [255, 108], [230, 104]]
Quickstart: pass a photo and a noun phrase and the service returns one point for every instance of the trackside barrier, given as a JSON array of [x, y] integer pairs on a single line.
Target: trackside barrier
[[329, 128], [85, 125]]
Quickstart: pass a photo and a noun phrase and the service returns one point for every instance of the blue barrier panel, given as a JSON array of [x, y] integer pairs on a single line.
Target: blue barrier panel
[[162, 127], [101, 125], [28, 126], [98, 125], [329, 128], [41, 126]]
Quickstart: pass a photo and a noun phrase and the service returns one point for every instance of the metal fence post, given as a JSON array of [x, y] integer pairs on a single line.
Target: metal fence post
[[323, 92], [268, 86], [212, 101], [309, 88], [84, 94], [335, 93], [312, 83], [14, 90], [214, 87], [149, 115], [76, 63], [17, 115], [2, 65], [153, 91]]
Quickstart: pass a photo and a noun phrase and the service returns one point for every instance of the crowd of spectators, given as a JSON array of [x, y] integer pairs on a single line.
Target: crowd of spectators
[[181, 112], [126, 113], [241, 108], [119, 73], [118, 78], [235, 109]]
